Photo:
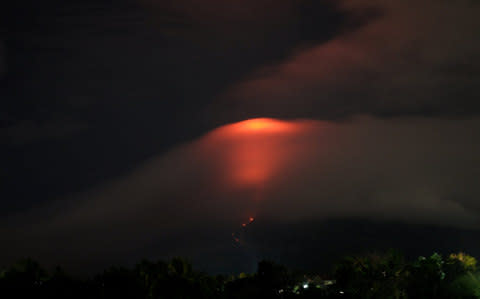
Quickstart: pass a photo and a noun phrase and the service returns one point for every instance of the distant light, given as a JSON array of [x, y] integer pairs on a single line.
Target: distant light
[[251, 219], [341, 292], [305, 286], [243, 224]]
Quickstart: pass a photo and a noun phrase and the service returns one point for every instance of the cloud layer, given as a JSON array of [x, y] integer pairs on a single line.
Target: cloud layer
[[413, 58], [415, 171]]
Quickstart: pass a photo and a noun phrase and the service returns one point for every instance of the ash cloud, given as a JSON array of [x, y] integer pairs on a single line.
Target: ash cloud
[[412, 58], [415, 171]]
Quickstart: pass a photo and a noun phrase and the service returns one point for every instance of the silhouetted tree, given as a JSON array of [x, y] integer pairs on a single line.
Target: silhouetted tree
[[23, 279], [372, 276]]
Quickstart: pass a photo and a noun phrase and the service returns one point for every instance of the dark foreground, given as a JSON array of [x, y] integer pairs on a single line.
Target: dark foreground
[[386, 275]]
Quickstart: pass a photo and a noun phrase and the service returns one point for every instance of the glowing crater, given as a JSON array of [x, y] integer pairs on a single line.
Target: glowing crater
[[262, 125], [254, 149]]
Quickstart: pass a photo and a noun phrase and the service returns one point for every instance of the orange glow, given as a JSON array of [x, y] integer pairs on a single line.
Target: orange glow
[[244, 224], [255, 150], [262, 125], [251, 219]]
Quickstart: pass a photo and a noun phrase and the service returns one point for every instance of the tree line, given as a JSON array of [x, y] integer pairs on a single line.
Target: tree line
[[387, 275]]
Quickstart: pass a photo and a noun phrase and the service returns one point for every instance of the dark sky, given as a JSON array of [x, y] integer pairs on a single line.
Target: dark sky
[[118, 137]]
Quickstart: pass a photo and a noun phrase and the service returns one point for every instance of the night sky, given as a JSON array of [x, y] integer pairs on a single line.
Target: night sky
[[155, 128]]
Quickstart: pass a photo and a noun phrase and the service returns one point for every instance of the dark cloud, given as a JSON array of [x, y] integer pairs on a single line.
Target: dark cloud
[[28, 132], [412, 171], [3, 59], [415, 58], [234, 21]]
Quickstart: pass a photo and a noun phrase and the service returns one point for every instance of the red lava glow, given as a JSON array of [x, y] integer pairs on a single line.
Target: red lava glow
[[262, 125], [256, 149]]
